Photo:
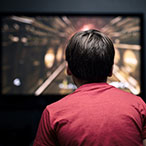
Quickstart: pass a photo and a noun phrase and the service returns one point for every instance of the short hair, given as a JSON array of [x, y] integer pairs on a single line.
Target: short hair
[[90, 55]]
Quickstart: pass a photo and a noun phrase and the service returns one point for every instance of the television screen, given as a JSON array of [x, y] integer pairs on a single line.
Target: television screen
[[33, 46]]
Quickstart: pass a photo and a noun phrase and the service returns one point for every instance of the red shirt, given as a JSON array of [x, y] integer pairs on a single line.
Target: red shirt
[[96, 114]]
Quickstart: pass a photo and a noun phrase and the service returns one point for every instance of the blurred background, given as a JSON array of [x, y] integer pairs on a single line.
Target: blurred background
[[32, 72]]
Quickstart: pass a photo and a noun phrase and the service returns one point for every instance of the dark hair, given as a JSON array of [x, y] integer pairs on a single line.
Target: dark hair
[[90, 55]]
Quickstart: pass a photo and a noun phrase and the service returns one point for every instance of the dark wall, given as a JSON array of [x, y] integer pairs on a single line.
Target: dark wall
[[74, 5], [19, 118]]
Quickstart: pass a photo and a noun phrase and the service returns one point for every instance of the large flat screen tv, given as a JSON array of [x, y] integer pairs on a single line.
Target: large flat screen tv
[[33, 46]]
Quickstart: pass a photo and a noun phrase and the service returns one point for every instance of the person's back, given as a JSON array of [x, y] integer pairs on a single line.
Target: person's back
[[96, 114]]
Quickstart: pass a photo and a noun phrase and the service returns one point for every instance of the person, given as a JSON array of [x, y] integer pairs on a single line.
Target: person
[[96, 113]]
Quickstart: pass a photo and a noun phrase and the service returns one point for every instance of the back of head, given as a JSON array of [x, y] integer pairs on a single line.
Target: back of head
[[90, 56]]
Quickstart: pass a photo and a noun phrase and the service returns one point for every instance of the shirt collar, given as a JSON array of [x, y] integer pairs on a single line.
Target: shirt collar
[[92, 86]]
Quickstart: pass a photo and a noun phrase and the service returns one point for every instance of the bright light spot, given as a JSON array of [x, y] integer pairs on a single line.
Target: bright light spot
[[130, 60], [49, 58], [87, 27], [24, 40], [68, 86], [17, 82], [14, 38], [59, 54], [119, 85]]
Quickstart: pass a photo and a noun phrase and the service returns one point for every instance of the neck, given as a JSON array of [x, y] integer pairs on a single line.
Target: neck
[[79, 82]]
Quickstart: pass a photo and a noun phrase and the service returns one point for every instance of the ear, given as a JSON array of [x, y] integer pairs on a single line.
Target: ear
[[68, 70]]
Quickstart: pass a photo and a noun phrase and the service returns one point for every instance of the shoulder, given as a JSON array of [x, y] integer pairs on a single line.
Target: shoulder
[[126, 98], [122, 93], [60, 104]]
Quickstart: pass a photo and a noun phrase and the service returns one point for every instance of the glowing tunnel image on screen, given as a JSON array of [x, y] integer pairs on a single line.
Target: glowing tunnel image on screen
[[33, 47]]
